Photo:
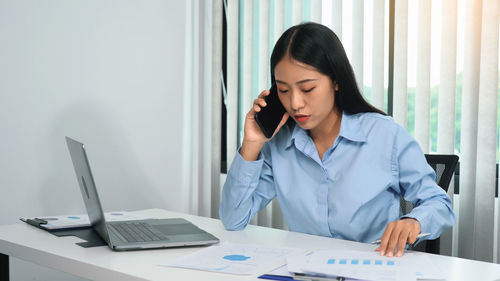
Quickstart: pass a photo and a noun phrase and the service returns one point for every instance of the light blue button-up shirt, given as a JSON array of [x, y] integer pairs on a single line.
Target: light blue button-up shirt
[[352, 193]]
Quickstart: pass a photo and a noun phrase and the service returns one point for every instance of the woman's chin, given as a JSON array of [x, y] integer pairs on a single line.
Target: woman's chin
[[305, 125]]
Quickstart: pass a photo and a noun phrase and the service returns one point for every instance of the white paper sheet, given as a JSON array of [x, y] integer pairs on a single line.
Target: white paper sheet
[[82, 220], [357, 264], [283, 272], [280, 271], [365, 265], [241, 259]]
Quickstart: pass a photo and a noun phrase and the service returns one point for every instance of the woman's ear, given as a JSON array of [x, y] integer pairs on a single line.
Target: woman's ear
[[335, 86]]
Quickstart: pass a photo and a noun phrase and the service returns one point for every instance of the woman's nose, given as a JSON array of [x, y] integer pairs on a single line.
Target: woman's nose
[[296, 100]]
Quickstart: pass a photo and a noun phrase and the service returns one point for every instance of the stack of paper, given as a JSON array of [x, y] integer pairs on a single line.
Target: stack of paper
[[365, 265]]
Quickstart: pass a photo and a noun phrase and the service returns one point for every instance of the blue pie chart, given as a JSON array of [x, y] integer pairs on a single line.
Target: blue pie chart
[[236, 257]]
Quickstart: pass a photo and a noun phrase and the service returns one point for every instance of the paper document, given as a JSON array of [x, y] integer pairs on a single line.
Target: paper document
[[357, 264], [366, 265], [282, 273], [74, 221], [242, 259]]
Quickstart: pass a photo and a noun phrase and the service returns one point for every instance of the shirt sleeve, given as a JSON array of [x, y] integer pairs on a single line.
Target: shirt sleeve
[[417, 181], [249, 187]]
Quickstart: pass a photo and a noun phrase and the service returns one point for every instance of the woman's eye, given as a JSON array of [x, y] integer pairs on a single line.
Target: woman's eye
[[282, 91], [308, 90]]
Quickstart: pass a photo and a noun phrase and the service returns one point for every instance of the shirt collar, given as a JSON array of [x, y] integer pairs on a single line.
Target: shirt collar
[[350, 128]]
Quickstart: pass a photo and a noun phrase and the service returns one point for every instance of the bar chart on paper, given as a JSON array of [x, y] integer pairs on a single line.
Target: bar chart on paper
[[357, 264], [364, 262]]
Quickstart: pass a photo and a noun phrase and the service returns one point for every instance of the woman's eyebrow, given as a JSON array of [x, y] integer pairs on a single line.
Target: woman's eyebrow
[[299, 82]]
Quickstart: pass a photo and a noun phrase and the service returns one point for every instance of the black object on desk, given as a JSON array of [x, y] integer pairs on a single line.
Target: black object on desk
[[36, 222], [88, 234], [92, 238]]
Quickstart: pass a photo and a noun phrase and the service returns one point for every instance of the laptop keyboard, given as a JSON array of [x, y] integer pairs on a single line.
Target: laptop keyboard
[[137, 231]]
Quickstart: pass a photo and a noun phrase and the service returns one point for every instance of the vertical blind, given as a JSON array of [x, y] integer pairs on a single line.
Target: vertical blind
[[255, 25], [202, 107], [423, 93], [468, 145], [446, 98], [400, 62], [484, 187]]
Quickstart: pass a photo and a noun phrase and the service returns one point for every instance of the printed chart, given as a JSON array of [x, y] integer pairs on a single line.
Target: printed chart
[[366, 265], [241, 259]]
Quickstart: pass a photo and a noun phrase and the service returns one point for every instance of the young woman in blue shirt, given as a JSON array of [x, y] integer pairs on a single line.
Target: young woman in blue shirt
[[336, 164]]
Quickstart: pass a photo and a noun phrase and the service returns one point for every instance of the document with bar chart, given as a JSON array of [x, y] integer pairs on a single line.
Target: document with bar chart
[[367, 265]]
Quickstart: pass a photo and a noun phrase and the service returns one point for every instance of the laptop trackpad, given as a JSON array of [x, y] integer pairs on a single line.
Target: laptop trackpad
[[178, 229]]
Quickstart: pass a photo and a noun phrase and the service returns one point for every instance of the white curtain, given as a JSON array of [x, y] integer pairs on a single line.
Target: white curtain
[[400, 99], [479, 130], [447, 96], [358, 17], [202, 107], [474, 234], [423, 93], [378, 51], [481, 231]]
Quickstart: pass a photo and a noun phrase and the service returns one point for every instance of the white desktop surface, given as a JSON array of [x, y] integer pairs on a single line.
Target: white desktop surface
[[100, 263]]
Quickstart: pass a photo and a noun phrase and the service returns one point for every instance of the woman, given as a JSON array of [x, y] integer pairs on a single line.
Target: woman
[[336, 164]]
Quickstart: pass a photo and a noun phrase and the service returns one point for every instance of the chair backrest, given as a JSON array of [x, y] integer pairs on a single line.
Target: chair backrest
[[444, 165]]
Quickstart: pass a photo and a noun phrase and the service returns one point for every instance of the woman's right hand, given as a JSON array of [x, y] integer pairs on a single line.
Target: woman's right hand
[[254, 138]]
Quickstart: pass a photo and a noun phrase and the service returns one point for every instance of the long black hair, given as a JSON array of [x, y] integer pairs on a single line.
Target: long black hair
[[318, 46]]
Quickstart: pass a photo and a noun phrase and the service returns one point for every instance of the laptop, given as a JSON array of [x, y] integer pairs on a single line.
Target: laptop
[[132, 234]]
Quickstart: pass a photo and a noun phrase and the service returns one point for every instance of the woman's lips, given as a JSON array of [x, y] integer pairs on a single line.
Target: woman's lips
[[302, 118]]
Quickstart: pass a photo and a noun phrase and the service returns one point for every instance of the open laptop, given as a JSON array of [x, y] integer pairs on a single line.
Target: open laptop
[[133, 234]]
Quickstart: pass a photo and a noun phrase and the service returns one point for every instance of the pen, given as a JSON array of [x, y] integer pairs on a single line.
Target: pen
[[421, 235]]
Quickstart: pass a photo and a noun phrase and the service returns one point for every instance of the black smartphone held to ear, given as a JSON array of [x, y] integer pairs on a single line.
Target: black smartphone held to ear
[[269, 117]]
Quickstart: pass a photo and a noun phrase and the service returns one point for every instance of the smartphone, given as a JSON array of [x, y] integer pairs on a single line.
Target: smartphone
[[269, 117]]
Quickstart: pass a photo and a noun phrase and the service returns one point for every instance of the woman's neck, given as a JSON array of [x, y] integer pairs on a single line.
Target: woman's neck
[[325, 134], [328, 130]]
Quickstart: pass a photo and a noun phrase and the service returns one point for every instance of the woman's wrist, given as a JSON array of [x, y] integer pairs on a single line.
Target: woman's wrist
[[250, 150]]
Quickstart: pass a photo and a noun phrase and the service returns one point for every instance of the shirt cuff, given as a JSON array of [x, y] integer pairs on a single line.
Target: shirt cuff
[[423, 219], [245, 171]]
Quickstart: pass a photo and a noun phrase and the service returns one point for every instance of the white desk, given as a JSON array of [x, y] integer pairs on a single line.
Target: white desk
[[100, 263]]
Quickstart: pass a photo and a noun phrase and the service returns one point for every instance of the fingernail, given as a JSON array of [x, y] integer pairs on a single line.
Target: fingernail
[[399, 254], [382, 253], [389, 254]]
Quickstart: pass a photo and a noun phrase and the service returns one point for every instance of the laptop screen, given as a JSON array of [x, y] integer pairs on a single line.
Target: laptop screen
[[87, 187]]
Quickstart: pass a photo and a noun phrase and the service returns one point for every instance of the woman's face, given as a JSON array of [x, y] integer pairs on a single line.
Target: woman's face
[[307, 94]]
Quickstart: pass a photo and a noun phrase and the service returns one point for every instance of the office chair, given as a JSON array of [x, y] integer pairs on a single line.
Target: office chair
[[444, 165]]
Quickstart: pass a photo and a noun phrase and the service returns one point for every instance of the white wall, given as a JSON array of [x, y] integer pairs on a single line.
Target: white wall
[[109, 73]]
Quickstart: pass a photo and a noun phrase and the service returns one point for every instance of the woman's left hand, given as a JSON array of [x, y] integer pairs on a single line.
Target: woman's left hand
[[398, 234]]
